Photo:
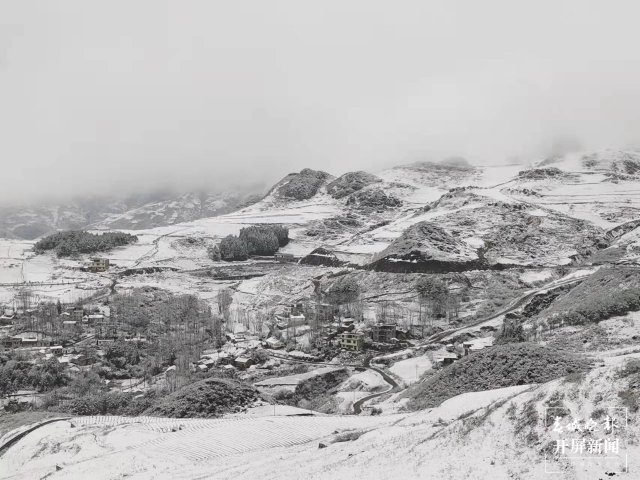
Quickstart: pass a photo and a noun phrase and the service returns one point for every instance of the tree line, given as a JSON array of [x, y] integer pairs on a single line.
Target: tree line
[[74, 242]]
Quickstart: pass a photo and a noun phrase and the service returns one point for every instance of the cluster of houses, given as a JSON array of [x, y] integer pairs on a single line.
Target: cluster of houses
[[41, 349], [383, 336], [72, 321], [30, 339], [228, 357], [75, 317]]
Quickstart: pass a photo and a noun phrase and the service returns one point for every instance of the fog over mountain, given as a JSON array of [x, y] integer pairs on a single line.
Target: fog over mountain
[[122, 97]]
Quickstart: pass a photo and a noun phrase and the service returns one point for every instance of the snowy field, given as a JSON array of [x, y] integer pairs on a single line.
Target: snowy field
[[291, 381], [115, 447], [411, 369]]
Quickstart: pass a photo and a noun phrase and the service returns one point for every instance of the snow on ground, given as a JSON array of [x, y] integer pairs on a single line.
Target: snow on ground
[[493, 175], [367, 381], [588, 196], [411, 369], [394, 356], [476, 435], [475, 242], [347, 399], [177, 283], [144, 447], [536, 276], [273, 410], [538, 212], [291, 381]]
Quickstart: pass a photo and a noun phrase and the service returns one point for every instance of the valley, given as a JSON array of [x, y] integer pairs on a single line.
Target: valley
[[418, 322]]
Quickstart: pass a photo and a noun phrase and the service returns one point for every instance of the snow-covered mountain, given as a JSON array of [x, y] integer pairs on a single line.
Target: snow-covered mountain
[[506, 239], [553, 212]]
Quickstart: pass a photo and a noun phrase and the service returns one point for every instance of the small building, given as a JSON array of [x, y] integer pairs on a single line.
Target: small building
[[69, 325], [98, 264], [106, 330], [12, 342], [75, 313], [225, 358], [383, 333], [93, 319], [57, 350], [6, 330], [402, 334], [81, 360], [285, 257], [293, 309], [33, 339], [351, 340], [273, 343], [207, 362], [243, 362], [447, 358]]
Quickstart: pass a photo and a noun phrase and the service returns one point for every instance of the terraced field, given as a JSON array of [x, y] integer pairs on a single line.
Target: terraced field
[[106, 446]]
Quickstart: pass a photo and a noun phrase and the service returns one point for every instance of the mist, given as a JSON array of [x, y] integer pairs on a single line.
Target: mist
[[121, 97]]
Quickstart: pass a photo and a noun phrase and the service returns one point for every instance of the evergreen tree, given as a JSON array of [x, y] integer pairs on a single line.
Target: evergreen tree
[[233, 249]]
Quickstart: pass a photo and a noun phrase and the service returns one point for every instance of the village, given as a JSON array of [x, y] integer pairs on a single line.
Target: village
[[82, 338]]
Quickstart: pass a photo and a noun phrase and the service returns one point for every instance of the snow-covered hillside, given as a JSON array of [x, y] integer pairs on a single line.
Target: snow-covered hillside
[[501, 434], [549, 214]]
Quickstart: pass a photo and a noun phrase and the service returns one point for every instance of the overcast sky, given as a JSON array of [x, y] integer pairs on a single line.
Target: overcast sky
[[111, 95]]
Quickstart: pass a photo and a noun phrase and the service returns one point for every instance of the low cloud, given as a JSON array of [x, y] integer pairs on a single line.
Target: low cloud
[[123, 96]]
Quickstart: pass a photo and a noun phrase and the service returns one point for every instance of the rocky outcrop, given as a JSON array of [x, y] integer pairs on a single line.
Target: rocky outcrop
[[540, 173], [428, 248], [349, 183], [302, 185], [373, 199], [321, 256]]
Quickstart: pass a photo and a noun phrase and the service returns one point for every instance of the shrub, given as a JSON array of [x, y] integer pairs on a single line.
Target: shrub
[[107, 403], [122, 354], [233, 249], [511, 332], [211, 397], [577, 377], [86, 383], [213, 253], [346, 290], [17, 374], [600, 307], [529, 417], [631, 367], [630, 399], [555, 408], [348, 436], [282, 395], [495, 367], [259, 356]]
